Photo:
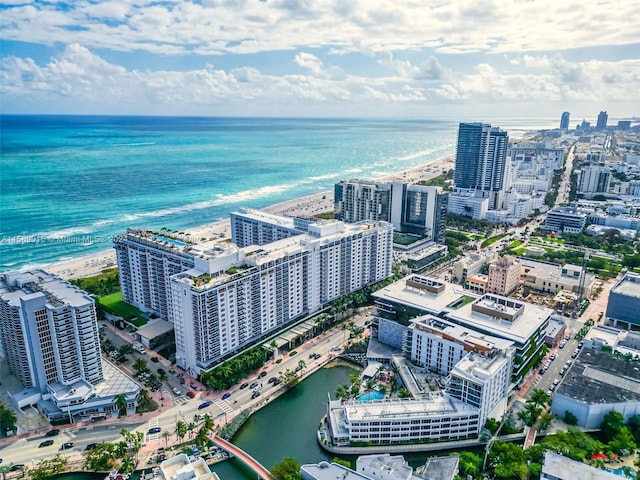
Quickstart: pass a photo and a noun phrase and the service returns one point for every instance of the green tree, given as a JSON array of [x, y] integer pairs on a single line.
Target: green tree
[[569, 418], [546, 420], [121, 403], [342, 391], [302, 364], [181, 429], [634, 426], [539, 397], [100, 458], [165, 435], [4, 469], [202, 437], [48, 468], [340, 461], [8, 418], [612, 423], [140, 366], [492, 425], [208, 423], [287, 469], [127, 465], [507, 460], [622, 440], [469, 464]]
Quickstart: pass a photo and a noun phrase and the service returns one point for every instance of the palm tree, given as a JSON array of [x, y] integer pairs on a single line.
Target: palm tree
[[370, 384], [539, 397], [202, 438], [8, 418], [166, 436], [302, 364], [136, 439], [208, 424], [181, 430], [121, 403], [139, 366], [342, 391], [191, 427], [143, 397], [128, 465]]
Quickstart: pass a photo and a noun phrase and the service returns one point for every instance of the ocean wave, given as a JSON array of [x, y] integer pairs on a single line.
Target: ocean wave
[[353, 170], [136, 144], [64, 233], [324, 177]]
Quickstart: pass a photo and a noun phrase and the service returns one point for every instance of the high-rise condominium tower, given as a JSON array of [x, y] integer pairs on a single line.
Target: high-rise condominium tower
[[564, 121], [481, 159]]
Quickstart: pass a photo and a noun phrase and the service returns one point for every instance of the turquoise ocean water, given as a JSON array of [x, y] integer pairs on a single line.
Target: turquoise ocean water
[[69, 183]]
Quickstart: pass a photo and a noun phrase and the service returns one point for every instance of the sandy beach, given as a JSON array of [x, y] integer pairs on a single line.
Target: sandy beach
[[305, 207]]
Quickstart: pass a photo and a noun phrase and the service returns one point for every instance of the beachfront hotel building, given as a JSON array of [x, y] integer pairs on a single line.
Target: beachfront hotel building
[[257, 227], [476, 390], [237, 297], [415, 209], [50, 339], [480, 171]]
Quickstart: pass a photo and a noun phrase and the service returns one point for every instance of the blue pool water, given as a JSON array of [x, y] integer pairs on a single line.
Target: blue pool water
[[177, 243], [624, 472], [370, 396]]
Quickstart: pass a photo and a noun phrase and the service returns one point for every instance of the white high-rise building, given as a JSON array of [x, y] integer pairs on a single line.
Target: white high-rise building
[[257, 227], [49, 335], [224, 306]]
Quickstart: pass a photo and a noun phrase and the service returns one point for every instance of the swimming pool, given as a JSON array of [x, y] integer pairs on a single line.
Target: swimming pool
[[370, 396], [177, 243], [624, 472]]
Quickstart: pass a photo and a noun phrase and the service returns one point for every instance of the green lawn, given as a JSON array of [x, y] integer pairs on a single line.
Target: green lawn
[[491, 240], [515, 244], [402, 239], [113, 304]]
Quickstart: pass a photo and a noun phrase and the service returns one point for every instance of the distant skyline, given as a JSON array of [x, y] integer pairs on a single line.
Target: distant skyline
[[436, 59]]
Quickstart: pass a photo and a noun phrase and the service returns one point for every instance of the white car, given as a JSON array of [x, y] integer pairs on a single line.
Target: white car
[[177, 391]]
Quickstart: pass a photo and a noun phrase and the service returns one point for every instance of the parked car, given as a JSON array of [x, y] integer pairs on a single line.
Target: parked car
[[272, 379], [191, 394], [155, 359], [46, 443], [226, 395], [177, 391], [244, 385], [552, 357], [16, 467], [262, 374], [161, 371]]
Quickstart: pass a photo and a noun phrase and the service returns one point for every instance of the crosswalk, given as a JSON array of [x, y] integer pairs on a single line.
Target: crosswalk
[[223, 405]]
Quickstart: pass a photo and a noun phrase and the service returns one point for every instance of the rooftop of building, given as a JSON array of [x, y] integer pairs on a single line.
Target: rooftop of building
[[155, 328], [596, 377], [263, 216], [458, 333], [557, 466], [519, 321], [330, 471], [553, 271], [474, 365], [180, 468], [629, 285], [424, 293], [401, 408], [440, 468], [392, 466], [17, 284]]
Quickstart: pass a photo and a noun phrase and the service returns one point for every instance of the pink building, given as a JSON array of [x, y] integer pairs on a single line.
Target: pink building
[[504, 276]]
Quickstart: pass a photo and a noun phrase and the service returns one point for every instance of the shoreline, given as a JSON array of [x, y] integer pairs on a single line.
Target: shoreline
[[306, 206]]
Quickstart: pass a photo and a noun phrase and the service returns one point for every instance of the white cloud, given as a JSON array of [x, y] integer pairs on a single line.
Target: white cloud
[[214, 27]]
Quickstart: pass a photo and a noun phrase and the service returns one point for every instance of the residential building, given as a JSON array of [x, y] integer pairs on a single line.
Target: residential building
[[558, 467], [257, 227], [519, 322], [623, 307], [553, 278], [565, 220], [329, 471], [242, 296], [601, 124], [478, 283], [594, 178], [596, 383], [472, 264], [564, 121], [50, 340], [181, 467], [415, 209], [481, 164], [438, 344], [504, 276]]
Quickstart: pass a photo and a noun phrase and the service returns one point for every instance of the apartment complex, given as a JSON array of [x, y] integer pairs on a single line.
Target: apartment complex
[[50, 340], [413, 209], [504, 276], [565, 220], [257, 227], [481, 166], [242, 296]]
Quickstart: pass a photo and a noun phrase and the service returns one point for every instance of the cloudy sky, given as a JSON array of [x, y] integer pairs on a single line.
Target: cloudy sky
[[411, 58]]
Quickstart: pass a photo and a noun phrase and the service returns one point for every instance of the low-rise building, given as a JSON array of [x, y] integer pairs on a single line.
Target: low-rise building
[[623, 307], [478, 283], [181, 467], [595, 384], [565, 220], [552, 278], [558, 467]]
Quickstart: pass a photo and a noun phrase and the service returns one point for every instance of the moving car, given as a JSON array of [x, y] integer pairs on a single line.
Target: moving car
[[52, 433], [191, 394], [262, 374], [244, 385], [226, 395], [177, 391], [90, 446], [203, 405], [155, 430], [66, 446], [46, 443]]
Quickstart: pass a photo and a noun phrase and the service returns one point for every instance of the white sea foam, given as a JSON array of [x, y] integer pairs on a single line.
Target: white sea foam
[[63, 233], [137, 144]]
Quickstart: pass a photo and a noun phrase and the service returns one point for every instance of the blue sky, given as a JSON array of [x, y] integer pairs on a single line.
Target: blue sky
[[409, 58]]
